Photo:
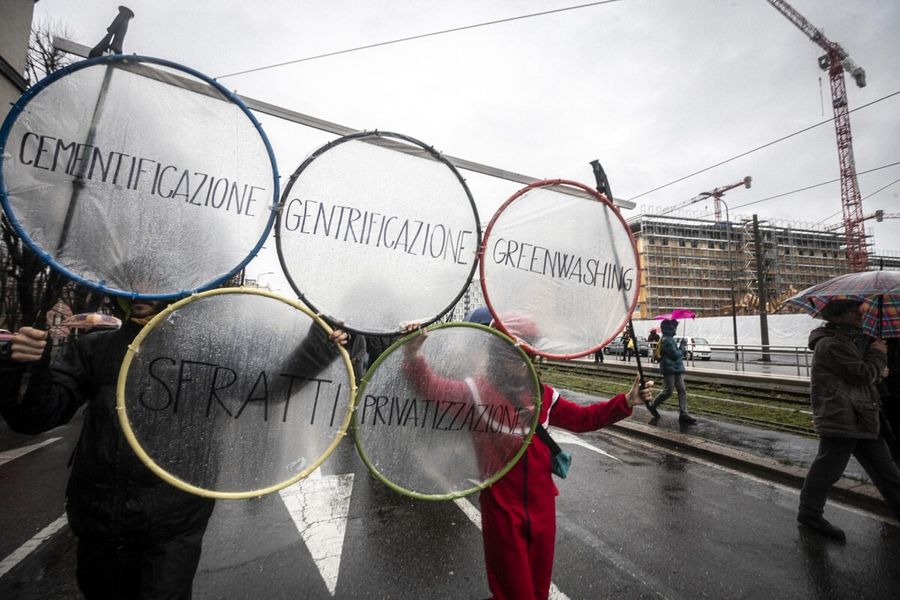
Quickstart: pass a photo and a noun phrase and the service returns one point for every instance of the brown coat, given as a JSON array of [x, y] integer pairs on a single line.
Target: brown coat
[[843, 383]]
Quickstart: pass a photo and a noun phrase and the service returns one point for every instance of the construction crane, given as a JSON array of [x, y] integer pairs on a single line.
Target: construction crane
[[836, 61], [878, 215], [717, 194]]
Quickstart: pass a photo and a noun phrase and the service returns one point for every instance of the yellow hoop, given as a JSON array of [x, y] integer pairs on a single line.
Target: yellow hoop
[[183, 485]]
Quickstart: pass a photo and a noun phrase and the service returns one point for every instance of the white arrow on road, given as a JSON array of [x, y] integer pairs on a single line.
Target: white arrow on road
[[9, 455], [319, 507], [564, 437]]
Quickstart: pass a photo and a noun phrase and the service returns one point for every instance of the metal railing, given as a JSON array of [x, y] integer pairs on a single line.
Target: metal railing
[[795, 358]]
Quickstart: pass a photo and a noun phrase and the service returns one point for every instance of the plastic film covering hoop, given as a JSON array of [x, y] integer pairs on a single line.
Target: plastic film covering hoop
[[376, 230], [450, 418], [560, 272], [137, 177], [235, 393]]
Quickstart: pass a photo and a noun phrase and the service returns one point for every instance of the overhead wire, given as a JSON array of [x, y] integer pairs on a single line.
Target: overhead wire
[[881, 189], [809, 187], [752, 150], [577, 7], [544, 13], [419, 37]]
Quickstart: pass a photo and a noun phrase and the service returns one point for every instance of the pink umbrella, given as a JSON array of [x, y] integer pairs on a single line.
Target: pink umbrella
[[677, 314]]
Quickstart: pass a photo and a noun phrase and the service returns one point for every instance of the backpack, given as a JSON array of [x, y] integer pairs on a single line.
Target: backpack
[[657, 352]]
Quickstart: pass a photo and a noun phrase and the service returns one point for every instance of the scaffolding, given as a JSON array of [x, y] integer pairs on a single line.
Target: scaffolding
[[690, 262]]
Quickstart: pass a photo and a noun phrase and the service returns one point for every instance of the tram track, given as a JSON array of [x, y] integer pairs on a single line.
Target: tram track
[[780, 408]]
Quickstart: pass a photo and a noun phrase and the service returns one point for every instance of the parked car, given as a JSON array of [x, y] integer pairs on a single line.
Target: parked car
[[694, 347], [615, 347]]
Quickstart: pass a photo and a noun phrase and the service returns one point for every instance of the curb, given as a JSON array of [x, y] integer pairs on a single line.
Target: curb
[[860, 495]]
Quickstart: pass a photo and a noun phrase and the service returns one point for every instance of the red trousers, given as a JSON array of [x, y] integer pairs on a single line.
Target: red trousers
[[519, 541]]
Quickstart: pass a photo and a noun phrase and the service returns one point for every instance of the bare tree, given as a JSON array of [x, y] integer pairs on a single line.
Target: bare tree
[[28, 287], [43, 58]]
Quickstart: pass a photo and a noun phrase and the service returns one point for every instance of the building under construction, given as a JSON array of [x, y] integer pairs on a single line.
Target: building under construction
[[690, 261]]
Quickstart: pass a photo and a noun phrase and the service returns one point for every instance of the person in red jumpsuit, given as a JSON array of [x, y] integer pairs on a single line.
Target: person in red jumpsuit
[[518, 512]]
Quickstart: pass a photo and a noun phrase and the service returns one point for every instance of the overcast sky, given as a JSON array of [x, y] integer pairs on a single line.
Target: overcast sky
[[654, 89]]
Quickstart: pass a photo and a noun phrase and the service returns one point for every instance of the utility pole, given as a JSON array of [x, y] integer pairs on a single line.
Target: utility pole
[[762, 291]]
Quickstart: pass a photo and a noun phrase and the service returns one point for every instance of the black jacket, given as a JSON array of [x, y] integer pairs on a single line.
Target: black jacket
[[111, 494]]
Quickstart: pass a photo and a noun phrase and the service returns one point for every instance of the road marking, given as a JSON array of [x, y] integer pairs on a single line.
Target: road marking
[[319, 507], [28, 547], [10, 455], [564, 437], [475, 516], [642, 575]]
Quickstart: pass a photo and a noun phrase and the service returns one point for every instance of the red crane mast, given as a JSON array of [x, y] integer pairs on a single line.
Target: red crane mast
[[835, 61]]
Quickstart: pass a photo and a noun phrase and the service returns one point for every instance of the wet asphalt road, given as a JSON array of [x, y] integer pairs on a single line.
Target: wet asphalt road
[[635, 522]]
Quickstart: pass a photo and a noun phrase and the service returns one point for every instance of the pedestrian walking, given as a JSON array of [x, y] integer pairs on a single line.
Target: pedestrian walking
[[627, 346], [518, 512], [653, 341], [845, 406], [890, 398], [671, 366]]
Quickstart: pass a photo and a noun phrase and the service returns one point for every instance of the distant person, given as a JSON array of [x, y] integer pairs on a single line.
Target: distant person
[[627, 346], [518, 512], [890, 397], [653, 340], [598, 356], [139, 537], [845, 413], [671, 366]]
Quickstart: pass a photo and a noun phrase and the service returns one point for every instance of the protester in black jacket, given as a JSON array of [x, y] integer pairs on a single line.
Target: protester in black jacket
[[138, 536]]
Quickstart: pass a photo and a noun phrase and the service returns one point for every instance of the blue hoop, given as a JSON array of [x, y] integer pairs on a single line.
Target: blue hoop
[[100, 285]]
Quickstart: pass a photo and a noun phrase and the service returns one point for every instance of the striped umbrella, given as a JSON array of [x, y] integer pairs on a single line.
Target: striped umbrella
[[879, 292]]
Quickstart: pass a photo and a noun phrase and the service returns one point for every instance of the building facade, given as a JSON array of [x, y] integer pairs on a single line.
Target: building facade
[[697, 263], [15, 27]]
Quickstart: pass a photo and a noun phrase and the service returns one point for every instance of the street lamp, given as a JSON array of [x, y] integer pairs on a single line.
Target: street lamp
[[716, 195], [718, 198], [731, 278]]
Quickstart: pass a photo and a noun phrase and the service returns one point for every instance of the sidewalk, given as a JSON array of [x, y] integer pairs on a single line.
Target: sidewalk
[[773, 455]]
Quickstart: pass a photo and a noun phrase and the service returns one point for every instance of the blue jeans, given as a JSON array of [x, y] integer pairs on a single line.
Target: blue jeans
[[673, 381]]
